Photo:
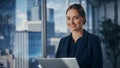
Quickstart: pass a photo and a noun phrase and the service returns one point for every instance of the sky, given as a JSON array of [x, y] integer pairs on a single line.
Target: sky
[[59, 7], [21, 14]]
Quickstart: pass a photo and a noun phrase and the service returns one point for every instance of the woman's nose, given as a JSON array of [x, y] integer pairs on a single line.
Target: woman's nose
[[71, 21]]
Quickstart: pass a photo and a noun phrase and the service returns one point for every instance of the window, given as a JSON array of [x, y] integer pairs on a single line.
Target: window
[[56, 25], [25, 32], [20, 33]]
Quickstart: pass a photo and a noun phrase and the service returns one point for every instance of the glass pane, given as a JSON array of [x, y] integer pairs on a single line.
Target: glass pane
[[20, 33], [32, 25], [56, 26]]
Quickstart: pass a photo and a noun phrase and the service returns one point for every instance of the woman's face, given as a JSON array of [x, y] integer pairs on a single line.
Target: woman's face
[[74, 20]]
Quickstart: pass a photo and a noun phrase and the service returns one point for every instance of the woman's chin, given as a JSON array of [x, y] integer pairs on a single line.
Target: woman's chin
[[72, 30], [75, 30]]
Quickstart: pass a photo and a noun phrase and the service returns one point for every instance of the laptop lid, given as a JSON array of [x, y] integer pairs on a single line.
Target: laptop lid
[[58, 63]]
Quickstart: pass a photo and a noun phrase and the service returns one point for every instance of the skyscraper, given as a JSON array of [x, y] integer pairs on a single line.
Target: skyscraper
[[7, 27], [35, 39], [50, 15], [30, 5], [35, 43], [50, 23], [36, 13], [7, 23], [50, 32], [21, 49]]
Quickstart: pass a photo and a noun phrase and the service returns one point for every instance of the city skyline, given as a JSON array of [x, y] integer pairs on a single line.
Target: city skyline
[[59, 16]]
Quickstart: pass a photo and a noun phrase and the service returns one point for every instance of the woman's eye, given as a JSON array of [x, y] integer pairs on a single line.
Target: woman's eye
[[76, 18]]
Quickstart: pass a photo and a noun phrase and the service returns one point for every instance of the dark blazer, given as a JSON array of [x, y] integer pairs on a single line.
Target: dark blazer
[[88, 53]]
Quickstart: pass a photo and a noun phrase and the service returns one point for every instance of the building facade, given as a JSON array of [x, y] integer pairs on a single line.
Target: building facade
[[21, 49], [50, 23], [7, 28], [35, 42], [31, 4], [7, 23]]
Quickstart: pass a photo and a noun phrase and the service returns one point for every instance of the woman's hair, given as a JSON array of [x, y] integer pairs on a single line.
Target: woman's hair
[[80, 10]]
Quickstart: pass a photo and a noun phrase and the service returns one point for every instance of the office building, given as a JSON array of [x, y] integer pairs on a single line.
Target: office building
[[7, 28], [31, 5], [36, 13], [7, 23], [34, 30], [35, 42], [50, 23], [50, 15], [50, 32], [3, 62], [21, 49], [27, 44], [35, 39], [6, 59], [35, 26]]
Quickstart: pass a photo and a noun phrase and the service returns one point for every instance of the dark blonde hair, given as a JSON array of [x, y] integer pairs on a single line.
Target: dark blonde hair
[[79, 9]]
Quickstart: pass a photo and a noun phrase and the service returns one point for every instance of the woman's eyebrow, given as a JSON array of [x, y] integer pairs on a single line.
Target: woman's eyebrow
[[76, 16]]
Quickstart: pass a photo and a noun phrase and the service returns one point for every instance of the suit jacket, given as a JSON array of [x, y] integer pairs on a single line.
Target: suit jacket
[[88, 52]]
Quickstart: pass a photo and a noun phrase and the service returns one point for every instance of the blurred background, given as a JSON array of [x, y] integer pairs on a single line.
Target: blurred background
[[32, 29]]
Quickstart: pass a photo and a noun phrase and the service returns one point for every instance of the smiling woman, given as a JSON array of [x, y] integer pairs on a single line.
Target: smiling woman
[[56, 26], [82, 45]]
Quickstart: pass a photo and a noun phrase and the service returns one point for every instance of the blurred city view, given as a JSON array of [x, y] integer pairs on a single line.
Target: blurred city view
[[26, 36]]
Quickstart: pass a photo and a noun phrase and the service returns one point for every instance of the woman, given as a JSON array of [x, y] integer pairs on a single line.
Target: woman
[[82, 45]]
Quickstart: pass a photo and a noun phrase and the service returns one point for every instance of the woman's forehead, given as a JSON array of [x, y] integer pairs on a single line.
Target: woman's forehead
[[72, 12]]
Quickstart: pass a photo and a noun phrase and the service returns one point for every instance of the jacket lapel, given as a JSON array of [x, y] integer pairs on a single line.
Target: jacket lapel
[[81, 45]]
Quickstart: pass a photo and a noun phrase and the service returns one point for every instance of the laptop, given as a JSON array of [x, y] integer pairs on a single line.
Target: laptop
[[58, 63]]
